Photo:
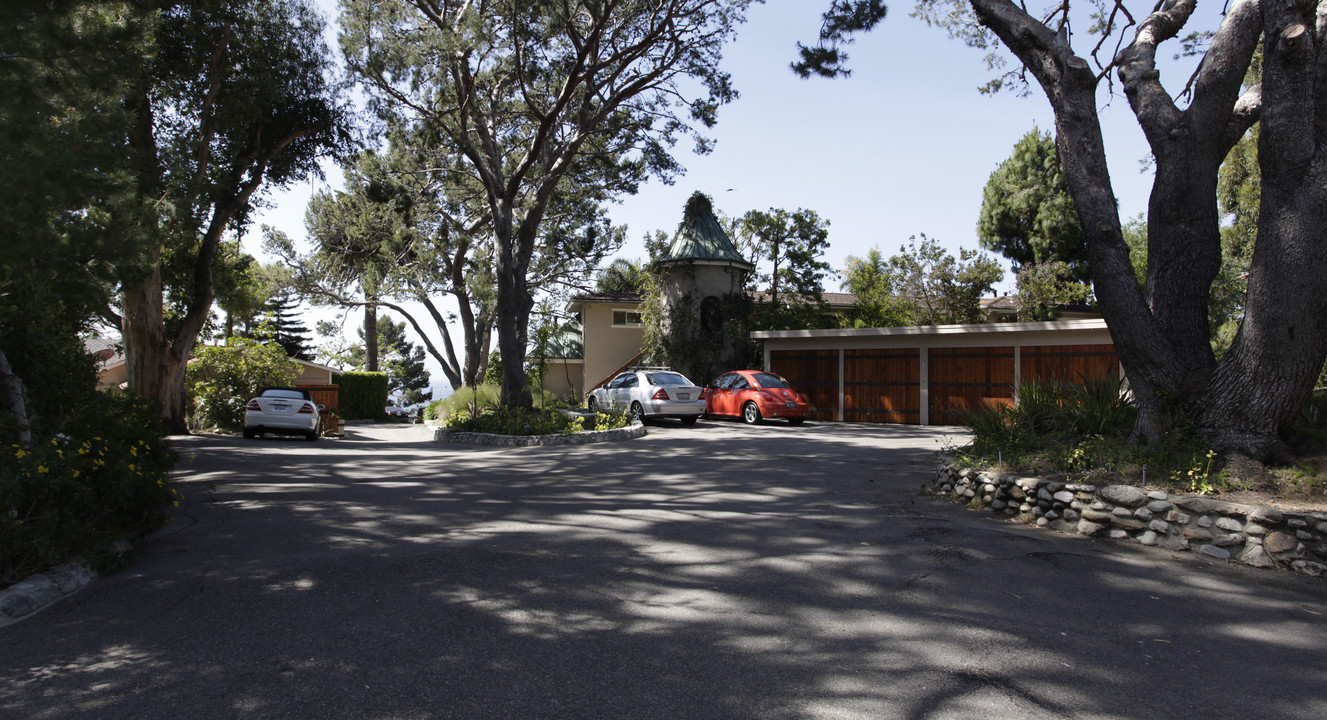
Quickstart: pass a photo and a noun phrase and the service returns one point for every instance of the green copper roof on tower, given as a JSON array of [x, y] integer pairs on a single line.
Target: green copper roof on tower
[[700, 237]]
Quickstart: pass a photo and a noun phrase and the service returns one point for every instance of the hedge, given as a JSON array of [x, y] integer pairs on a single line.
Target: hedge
[[363, 395]]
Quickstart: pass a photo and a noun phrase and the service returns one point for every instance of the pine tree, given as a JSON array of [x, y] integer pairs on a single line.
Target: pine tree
[[403, 361], [286, 328]]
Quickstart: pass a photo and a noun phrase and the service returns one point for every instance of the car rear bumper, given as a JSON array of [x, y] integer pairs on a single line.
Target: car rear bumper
[[277, 424], [675, 408]]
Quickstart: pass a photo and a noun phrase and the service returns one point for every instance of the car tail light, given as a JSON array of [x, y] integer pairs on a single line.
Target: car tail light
[[306, 409], [253, 405], [659, 394]]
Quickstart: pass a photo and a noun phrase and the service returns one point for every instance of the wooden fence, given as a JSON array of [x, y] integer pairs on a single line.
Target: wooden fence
[[328, 396]]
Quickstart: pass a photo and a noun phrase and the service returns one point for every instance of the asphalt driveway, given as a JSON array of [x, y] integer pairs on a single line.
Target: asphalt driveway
[[713, 571]]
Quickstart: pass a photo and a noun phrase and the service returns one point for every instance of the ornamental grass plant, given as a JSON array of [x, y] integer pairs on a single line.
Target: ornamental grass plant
[[1064, 427]]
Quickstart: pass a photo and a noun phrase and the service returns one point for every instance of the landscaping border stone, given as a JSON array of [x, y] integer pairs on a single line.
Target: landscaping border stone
[[1255, 536], [632, 431]]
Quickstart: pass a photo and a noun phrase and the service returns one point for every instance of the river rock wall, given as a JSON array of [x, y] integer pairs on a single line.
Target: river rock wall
[[1259, 537]]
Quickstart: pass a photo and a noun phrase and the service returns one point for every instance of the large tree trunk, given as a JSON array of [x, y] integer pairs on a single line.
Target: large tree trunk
[[371, 337], [1244, 402], [154, 365], [1268, 374], [514, 303]]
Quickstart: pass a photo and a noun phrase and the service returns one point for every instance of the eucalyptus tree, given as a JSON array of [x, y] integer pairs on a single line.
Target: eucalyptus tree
[[539, 97], [409, 228], [1242, 402], [236, 99], [397, 234]]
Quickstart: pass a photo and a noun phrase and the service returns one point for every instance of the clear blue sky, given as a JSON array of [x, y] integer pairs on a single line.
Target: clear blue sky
[[902, 147]]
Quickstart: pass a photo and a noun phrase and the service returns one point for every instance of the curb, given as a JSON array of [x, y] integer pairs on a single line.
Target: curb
[[25, 598], [635, 430]]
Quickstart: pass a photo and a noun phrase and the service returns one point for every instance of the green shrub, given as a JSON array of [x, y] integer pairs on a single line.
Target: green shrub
[[487, 396], [1077, 427], [532, 421], [363, 395], [220, 380], [77, 492]]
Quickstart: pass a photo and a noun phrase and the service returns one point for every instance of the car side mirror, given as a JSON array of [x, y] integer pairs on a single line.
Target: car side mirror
[[322, 408]]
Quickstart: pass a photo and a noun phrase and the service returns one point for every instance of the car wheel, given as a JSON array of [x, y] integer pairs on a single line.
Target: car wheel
[[592, 404], [750, 413], [689, 420], [311, 435], [796, 421], [637, 413], [250, 434]]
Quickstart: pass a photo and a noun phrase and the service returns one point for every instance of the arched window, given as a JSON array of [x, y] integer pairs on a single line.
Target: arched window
[[711, 314]]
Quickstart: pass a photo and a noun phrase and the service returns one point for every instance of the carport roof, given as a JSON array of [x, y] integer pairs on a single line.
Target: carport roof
[[933, 330]]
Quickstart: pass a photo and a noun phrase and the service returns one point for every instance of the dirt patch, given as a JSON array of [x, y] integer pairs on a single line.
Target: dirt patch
[[1299, 487]]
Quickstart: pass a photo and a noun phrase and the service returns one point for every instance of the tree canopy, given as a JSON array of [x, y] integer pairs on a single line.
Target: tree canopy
[[236, 98], [1242, 402], [922, 285], [577, 99]]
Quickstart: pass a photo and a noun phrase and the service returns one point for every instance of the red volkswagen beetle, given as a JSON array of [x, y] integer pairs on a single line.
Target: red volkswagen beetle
[[754, 395]]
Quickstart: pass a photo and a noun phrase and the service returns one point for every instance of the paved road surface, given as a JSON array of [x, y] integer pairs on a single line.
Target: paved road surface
[[716, 571]]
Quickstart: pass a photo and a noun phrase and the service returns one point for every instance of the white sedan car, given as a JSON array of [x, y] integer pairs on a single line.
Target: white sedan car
[[282, 411], [649, 393]]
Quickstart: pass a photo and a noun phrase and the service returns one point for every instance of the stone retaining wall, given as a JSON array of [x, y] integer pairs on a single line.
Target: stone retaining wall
[[634, 430], [1256, 536]]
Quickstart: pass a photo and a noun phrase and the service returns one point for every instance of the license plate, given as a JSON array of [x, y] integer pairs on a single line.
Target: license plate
[[280, 408], [684, 396], [791, 404]]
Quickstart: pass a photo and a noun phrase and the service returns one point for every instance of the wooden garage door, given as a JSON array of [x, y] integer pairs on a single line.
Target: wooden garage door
[[882, 386], [814, 374], [966, 378], [1069, 363]]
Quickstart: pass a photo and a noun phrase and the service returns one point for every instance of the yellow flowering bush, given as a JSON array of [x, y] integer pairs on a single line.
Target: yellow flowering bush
[[100, 479]]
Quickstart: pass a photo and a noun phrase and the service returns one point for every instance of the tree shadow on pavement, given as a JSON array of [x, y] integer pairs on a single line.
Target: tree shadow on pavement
[[713, 571]]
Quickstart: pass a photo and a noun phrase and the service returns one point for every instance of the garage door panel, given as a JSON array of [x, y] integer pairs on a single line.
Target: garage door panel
[[963, 379], [882, 386], [815, 375], [1068, 363]]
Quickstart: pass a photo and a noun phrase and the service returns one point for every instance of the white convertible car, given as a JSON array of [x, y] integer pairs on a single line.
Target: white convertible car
[[648, 393], [282, 411]]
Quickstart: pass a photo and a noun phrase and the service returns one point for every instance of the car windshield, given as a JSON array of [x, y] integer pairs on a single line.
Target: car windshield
[[666, 378], [769, 381], [287, 394]]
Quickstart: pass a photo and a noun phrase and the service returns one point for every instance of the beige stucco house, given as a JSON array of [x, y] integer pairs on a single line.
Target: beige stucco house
[[112, 373]]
